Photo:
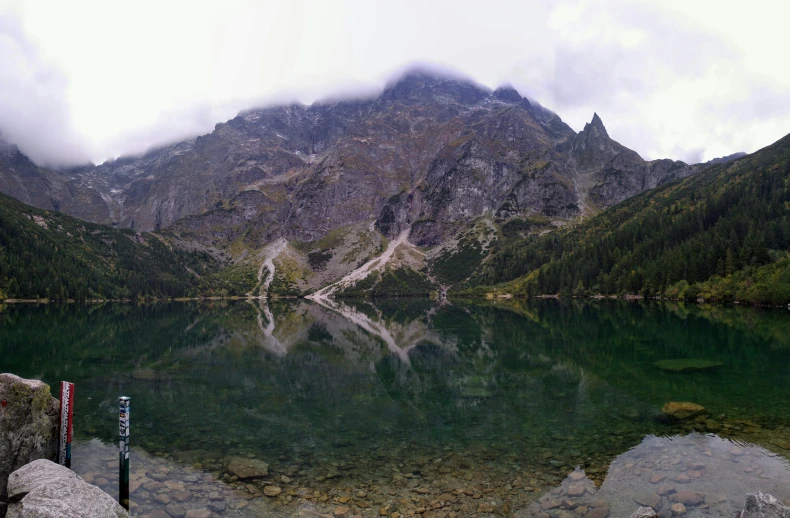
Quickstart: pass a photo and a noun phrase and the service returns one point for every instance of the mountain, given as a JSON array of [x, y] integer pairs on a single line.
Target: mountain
[[722, 234], [431, 156], [46, 254], [725, 159]]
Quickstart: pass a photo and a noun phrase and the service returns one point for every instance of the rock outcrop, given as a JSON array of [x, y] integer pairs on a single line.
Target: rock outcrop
[[45, 489], [28, 426], [763, 505], [430, 152]]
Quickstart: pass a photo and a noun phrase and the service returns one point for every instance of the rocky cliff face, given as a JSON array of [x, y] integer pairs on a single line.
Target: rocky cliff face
[[429, 153]]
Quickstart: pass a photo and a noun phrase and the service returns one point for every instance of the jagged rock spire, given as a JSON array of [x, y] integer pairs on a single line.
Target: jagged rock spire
[[596, 127]]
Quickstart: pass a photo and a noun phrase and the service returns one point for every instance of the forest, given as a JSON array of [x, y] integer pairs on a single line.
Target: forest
[[722, 234], [48, 255]]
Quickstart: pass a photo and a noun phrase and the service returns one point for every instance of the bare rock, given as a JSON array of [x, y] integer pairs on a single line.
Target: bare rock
[[246, 469], [272, 491], [680, 411], [43, 488], [763, 505], [649, 500], [689, 498], [644, 512], [28, 425]]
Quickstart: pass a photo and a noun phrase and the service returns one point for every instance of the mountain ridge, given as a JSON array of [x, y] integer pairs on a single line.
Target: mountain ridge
[[431, 155]]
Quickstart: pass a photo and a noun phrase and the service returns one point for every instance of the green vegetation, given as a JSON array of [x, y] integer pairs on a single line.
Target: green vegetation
[[519, 227], [238, 279], [768, 284], [393, 282], [454, 266], [361, 288], [318, 259], [402, 282], [50, 255], [722, 234], [283, 286]]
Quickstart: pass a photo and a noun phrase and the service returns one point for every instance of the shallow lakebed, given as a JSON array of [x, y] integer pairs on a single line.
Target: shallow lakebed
[[404, 407]]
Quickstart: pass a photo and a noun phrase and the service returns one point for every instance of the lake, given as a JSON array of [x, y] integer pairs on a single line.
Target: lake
[[410, 406]]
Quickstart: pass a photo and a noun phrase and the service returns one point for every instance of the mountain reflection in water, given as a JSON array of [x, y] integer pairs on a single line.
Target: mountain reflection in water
[[502, 401]]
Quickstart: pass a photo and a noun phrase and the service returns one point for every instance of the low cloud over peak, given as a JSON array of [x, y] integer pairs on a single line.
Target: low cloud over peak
[[34, 110], [674, 79]]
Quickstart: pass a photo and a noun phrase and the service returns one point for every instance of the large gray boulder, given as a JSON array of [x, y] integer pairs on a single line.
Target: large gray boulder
[[28, 426], [763, 505], [43, 489]]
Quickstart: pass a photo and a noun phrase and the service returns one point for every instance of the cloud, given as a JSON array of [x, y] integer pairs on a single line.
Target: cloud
[[669, 78], [34, 109]]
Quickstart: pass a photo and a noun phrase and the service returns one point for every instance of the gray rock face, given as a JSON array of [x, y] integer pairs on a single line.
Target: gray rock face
[[763, 505], [44, 489], [432, 152], [28, 425]]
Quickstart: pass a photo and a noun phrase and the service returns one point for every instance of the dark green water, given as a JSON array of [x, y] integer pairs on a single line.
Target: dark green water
[[342, 395]]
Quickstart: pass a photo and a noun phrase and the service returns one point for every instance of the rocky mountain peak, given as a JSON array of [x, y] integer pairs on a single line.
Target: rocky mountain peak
[[507, 94], [419, 84], [595, 127]]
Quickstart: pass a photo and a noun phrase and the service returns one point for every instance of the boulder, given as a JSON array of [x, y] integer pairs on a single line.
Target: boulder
[[644, 512], [688, 498], [680, 411], [28, 426], [763, 505], [43, 489], [246, 469]]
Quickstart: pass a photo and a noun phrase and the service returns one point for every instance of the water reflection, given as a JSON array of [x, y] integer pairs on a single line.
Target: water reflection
[[409, 400], [692, 475]]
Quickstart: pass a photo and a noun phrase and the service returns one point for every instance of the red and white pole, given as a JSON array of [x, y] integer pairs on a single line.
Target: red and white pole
[[66, 423]]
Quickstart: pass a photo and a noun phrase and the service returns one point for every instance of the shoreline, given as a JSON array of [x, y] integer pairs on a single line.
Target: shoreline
[[312, 297]]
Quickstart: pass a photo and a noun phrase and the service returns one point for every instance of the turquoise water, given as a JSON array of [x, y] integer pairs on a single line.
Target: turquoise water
[[412, 394]]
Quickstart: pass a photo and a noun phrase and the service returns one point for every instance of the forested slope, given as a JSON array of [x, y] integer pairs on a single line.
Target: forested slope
[[722, 234], [50, 255]]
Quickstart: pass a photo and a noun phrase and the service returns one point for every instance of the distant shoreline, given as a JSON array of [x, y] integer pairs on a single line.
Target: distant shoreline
[[487, 297]]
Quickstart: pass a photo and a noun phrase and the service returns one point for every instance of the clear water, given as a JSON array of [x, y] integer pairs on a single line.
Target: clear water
[[387, 407]]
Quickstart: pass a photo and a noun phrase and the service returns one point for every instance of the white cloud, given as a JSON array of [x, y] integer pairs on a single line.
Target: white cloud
[[34, 110], [671, 78]]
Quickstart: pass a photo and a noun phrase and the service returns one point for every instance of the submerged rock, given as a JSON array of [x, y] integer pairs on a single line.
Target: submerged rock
[[246, 469], [28, 425], [644, 512], [687, 365], [683, 410], [763, 505], [43, 488]]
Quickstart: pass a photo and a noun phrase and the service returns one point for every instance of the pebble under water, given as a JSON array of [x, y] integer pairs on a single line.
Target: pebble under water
[[415, 407]]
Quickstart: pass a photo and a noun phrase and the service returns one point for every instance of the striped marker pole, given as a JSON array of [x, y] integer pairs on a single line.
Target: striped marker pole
[[66, 423], [123, 460]]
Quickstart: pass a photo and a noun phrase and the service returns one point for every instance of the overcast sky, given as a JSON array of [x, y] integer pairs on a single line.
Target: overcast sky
[[684, 79]]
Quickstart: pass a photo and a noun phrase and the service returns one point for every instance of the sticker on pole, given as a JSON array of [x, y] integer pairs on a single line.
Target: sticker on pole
[[123, 460]]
